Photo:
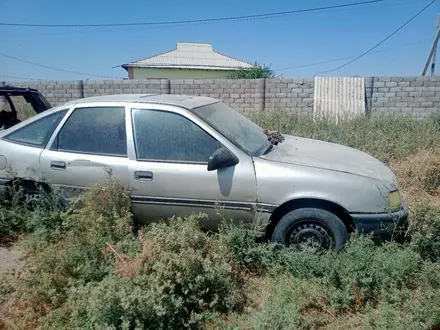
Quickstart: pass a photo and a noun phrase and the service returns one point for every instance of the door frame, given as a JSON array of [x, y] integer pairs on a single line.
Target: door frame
[[186, 113]]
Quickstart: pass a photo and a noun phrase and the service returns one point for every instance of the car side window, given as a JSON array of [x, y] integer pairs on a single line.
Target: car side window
[[94, 130], [170, 137], [37, 133]]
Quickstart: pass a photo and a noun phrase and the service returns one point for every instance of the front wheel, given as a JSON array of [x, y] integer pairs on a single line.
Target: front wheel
[[311, 226]]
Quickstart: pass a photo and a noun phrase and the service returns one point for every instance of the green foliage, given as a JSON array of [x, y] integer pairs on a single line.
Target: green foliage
[[256, 72], [180, 274], [242, 247], [426, 236], [20, 214], [289, 304], [72, 254]]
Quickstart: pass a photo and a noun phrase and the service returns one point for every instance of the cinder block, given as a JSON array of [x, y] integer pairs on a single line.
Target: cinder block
[[390, 94], [429, 83], [427, 104], [417, 83], [395, 99], [391, 84], [428, 93]]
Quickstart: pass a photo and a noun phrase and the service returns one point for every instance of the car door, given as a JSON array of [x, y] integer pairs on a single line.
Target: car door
[[88, 147], [21, 146], [168, 169]]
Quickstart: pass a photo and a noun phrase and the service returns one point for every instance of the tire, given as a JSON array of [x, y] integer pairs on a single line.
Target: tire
[[325, 227]]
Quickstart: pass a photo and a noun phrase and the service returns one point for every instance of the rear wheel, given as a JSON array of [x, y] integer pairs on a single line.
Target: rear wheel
[[311, 227]]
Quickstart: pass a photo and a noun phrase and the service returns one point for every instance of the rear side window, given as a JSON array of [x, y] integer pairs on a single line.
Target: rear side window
[[94, 130], [38, 132]]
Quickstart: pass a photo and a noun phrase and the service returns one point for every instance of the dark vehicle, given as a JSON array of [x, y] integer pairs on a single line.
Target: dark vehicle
[[17, 104]]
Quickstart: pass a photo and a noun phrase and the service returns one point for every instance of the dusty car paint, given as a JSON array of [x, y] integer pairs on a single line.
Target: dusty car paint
[[250, 191]]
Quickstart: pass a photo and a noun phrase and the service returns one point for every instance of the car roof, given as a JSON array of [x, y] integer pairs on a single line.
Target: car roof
[[185, 101], [7, 89]]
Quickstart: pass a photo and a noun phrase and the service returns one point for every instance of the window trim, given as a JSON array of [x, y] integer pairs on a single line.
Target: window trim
[[53, 144], [47, 138], [146, 160]]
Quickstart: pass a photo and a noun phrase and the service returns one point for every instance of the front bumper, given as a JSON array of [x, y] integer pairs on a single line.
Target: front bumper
[[382, 225]]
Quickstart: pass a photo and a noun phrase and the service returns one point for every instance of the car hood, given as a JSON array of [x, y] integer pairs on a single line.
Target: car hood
[[329, 156]]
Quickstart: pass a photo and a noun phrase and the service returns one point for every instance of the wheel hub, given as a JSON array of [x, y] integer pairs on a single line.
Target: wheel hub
[[310, 234]]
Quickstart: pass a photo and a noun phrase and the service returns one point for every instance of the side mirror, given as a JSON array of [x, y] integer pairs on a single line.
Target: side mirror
[[222, 158]]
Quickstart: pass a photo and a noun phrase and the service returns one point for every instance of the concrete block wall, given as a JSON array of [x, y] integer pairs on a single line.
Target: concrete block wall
[[293, 95], [416, 97], [108, 87], [243, 95], [56, 92]]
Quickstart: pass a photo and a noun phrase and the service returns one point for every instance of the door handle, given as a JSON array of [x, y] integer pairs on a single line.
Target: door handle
[[58, 165], [143, 175]]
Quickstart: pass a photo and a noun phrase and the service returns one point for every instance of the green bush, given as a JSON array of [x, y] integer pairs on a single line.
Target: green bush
[[180, 274], [426, 236], [289, 304], [20, 214], [73, 253], [242, 248]]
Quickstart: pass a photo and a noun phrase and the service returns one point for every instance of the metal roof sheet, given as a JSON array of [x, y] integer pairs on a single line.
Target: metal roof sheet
[[191, 56]]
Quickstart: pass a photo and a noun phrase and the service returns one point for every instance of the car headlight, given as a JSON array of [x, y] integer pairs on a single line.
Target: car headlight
[[394, 199]]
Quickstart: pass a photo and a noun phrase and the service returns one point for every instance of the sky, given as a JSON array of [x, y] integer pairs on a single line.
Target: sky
[[291, 45]]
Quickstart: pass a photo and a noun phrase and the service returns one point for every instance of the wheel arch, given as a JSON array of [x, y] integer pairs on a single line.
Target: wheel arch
[[293, 204]]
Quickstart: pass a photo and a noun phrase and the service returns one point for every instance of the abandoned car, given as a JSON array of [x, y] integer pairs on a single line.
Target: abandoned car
[[183, 154], [16, 102]]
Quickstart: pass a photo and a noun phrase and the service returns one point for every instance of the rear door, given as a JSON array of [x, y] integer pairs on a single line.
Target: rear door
[[168, 169], [87, 148]]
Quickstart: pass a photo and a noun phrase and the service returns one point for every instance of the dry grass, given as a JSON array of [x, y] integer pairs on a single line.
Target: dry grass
[[418, 176]]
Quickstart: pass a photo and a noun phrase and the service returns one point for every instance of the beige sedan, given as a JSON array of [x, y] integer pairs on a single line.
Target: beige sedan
[[183, 154]]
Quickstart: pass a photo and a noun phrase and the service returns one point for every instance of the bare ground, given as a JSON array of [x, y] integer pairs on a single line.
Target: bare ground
[[10, 259]]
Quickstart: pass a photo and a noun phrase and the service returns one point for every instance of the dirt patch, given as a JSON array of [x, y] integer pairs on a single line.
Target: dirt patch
[[11, 259]]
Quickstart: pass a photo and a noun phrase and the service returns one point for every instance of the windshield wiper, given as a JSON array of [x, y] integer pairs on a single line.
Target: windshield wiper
[[268, 149]]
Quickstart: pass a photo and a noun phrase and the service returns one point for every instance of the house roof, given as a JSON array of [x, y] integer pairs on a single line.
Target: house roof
[[188, 55]]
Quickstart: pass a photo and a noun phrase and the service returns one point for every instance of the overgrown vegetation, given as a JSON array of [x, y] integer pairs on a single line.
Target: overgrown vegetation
[[258, 71], [89, 267]]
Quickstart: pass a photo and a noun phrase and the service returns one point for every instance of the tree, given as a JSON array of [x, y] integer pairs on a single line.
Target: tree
[[256, 72]]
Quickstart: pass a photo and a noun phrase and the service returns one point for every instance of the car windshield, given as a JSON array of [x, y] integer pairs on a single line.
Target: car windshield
[[235, 127]]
